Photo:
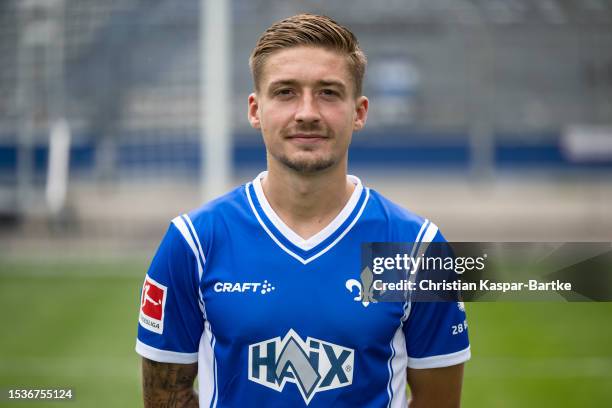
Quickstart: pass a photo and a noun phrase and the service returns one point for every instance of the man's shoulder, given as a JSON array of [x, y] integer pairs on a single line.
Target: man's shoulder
[[392, 211], [221, 205], [229, 207], [403, 224]]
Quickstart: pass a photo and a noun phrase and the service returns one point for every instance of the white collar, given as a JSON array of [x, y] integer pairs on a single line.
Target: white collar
[[289, 234]]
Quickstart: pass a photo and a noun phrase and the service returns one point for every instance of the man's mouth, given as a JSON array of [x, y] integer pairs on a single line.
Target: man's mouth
[[307, 137]]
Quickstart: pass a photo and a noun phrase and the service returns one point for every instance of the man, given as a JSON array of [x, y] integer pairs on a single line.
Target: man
[[255, 291]]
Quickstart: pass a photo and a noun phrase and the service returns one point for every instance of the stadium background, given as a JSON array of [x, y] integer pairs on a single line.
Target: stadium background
[[492, 118]]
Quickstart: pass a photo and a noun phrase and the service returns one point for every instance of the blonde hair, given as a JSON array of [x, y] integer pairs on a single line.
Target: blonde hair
[[309, 30]]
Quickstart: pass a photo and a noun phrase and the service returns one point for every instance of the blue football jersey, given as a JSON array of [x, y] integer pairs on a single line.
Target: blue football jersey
[[279, 321]]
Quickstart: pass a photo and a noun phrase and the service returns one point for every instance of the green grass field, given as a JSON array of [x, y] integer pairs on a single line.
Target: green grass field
[[72, 325]]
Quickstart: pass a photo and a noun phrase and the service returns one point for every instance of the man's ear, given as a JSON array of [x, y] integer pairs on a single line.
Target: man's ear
[[253, 111], [361, 113]]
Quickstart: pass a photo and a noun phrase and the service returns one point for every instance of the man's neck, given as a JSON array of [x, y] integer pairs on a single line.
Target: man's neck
[[307, 203]]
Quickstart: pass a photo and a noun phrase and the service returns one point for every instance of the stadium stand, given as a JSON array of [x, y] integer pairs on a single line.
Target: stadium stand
[[473, 87]]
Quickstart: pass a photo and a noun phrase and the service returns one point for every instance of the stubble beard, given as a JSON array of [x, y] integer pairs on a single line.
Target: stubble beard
[[307, 166]]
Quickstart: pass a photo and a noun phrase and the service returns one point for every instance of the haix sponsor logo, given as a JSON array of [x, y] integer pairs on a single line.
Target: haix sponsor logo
[[152, 305], [312, 365], [262, 288]]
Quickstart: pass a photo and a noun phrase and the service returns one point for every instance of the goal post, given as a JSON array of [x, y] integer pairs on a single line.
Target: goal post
[[215, 128]]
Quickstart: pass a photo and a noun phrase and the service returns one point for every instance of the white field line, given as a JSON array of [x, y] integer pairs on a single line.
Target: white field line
[[71, 367], [490, 367], [539, 367], [56, 270]]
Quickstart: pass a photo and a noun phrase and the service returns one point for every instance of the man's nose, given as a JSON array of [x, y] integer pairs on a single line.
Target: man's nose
[[307, 110]]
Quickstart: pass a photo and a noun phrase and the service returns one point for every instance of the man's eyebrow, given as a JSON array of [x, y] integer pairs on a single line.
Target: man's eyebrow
[[332, 82], [292, 82], [282, 82]]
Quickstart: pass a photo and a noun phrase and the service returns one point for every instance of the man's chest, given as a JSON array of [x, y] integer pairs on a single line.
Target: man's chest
[[255, 294]]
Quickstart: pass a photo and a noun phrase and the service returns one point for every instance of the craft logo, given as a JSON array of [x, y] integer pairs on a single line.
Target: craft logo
[[262, 288], [313, 365], [152, 303]]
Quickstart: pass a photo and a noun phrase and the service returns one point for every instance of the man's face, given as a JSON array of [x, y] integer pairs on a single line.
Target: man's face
[[306, 108]]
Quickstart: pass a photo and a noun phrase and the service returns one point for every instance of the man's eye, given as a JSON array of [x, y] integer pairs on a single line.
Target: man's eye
[[284, 92], [329, 92]]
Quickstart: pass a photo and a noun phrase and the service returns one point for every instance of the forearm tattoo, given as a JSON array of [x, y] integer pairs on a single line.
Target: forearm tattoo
[[167, 385]]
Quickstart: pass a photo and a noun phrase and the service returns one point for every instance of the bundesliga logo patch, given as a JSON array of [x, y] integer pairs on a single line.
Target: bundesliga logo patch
[[152, 303]]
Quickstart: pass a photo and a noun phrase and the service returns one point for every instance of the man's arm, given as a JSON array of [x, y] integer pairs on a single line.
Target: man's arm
[[168, 385], [435, 387]]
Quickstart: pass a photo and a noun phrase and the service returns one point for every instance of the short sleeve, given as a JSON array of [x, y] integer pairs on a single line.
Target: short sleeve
[[436, 332], [436, 335], [171, 319]]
